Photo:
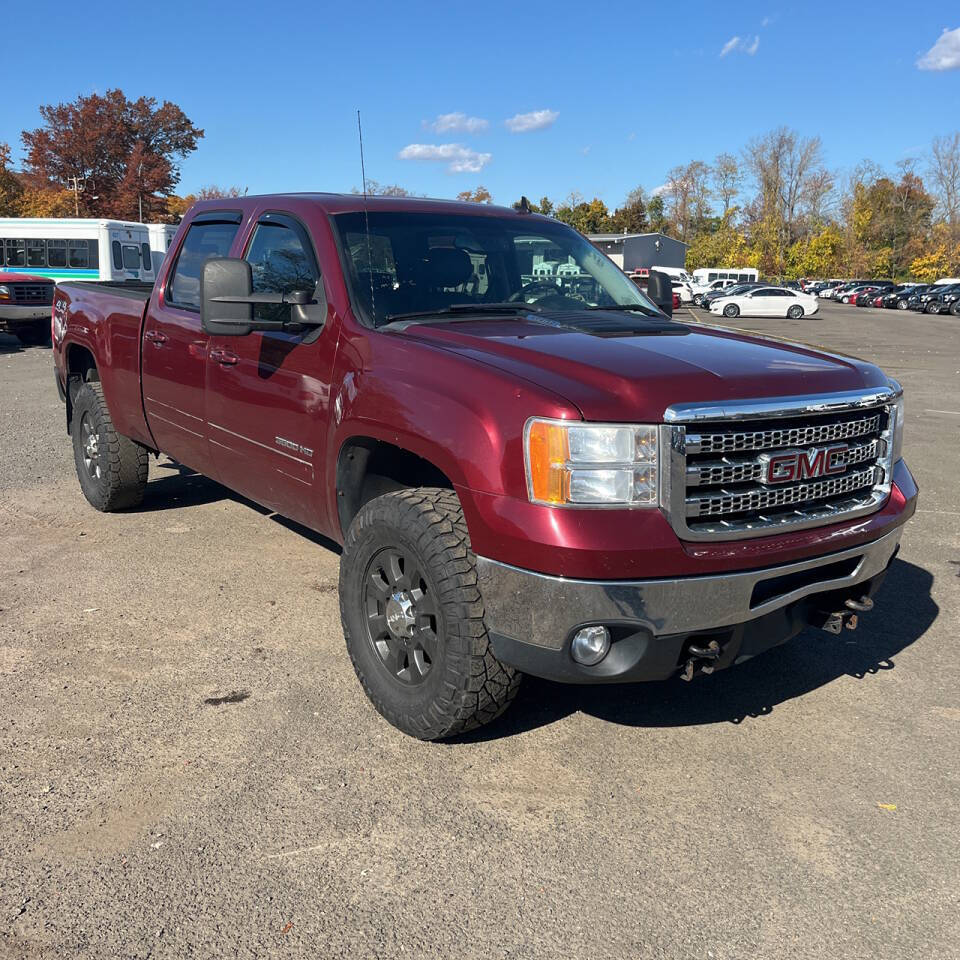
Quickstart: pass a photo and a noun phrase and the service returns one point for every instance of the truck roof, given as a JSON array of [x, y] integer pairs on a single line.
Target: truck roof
[[355, 203]]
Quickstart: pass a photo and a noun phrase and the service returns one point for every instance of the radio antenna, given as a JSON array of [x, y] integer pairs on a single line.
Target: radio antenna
[[366, 218]]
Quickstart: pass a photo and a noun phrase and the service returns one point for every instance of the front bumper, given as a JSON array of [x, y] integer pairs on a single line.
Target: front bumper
[[11, 315], [532, 617]]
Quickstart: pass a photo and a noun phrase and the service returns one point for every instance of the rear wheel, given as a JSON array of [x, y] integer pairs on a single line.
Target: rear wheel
[[795, 312], [731, 310], [412, 616], [955, 308], [932, 306], [112, 469]]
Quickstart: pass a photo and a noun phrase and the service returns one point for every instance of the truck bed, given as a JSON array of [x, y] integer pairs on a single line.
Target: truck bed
[[138, 290]]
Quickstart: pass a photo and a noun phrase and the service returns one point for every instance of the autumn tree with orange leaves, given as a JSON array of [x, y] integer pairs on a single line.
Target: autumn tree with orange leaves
[[124, 153]]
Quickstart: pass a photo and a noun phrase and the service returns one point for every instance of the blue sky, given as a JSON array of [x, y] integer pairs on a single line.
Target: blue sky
[[597, 97]]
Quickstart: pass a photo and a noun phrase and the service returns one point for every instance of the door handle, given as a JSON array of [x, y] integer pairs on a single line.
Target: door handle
[[155, 336], [224, 357]]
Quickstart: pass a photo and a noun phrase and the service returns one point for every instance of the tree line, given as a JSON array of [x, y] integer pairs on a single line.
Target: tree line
[[775, 206]]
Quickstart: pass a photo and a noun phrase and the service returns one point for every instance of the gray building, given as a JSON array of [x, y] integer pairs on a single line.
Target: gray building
[[633, 251]]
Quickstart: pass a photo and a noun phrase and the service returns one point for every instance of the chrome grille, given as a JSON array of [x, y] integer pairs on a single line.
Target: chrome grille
[[786, 436], [721, 484], [763, 498], [731, 470]]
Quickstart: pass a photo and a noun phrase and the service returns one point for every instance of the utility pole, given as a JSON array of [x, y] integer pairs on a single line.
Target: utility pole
[[139, 189], [76, 184]]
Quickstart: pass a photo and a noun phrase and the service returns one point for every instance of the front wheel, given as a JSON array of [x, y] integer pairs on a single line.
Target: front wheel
[[412, 616], [731, 310], [795, 312], [932, 307], [901, 304], [955, 308]]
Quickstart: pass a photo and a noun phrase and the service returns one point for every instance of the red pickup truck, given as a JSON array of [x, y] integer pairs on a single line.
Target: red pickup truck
[[531, 468]]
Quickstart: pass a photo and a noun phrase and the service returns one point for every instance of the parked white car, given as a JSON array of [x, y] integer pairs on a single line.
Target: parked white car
[[767, 302]]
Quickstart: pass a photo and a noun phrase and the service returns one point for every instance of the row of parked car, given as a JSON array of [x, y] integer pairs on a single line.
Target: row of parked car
[[940, 297], [760, 299]]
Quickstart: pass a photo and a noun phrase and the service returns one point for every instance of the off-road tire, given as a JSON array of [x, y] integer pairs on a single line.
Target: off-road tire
[[795, 312], [466, 686], [731, 310], [123, 464]]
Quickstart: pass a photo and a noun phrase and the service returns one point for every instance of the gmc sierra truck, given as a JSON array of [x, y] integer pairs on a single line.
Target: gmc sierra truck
[[531, 467]]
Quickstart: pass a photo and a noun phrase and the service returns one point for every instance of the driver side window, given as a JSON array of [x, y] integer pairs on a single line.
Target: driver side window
[[281, 261]]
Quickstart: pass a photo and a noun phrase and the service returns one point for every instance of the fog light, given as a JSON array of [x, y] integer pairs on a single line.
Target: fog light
[[590, 645]]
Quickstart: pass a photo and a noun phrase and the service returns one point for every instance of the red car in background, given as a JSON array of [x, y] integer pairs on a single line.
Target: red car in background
[[676, 300], [25, 305]]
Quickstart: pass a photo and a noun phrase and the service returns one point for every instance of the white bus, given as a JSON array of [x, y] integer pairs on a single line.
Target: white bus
[[161, 236], [76, 249], [704, 275]]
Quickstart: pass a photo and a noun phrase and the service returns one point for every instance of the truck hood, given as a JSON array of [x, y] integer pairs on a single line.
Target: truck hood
[[636, 375]]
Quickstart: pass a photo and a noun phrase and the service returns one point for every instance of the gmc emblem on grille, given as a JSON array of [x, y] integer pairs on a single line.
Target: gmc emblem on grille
[[793, 465]]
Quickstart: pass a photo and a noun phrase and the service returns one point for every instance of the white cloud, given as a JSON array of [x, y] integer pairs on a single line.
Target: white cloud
[[457, 157], [457, 123], [741, 44], [660, 191], [766, 21], [585, 151], [730, 45], [944, 54], [537, 120]]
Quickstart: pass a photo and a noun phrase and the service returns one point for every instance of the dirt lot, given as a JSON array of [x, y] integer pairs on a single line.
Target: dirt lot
[[188, 767]]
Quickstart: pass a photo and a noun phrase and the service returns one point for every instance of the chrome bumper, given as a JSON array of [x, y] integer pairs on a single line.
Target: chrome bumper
[[543, 610], [20, 313]]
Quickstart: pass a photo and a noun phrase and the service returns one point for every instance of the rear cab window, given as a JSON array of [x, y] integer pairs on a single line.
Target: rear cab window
[[210, 235]]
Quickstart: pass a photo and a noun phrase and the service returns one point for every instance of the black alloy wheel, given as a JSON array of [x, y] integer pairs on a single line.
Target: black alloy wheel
[[401, 615]]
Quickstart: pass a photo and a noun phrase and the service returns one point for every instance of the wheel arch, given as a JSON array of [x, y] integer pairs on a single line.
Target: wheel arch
[[368, 467], [80, 365]]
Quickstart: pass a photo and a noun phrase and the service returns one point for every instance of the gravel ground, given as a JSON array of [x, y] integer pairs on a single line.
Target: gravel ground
[[188, 767]]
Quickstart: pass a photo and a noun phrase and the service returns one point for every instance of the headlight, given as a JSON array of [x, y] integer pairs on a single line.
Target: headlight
[[591, 465], [4, 292]]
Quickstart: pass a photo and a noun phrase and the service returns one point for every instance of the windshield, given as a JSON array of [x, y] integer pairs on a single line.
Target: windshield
[[424, 262]]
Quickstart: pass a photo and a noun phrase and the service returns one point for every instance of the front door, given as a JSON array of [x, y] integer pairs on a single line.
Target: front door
[[268, 392], [174, 349]]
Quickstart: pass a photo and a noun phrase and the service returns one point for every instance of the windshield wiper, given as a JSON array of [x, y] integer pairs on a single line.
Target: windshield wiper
[[646, 311], [466, 309]]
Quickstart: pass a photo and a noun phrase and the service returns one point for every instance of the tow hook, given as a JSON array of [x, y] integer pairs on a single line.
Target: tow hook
[[838, 619], [702, 657]]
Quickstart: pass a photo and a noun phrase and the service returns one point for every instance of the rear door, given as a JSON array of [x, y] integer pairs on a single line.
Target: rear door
[[174, 349], [268, 392]]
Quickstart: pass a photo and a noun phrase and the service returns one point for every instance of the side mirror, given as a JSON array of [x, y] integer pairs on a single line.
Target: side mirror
[[227, 302], [224, 280], [660, 292]]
